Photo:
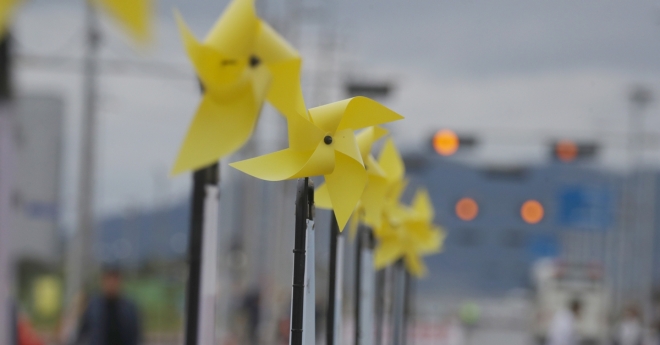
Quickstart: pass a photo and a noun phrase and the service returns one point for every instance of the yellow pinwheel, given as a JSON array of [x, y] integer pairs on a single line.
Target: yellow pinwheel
[[386, 195], [376, 178], [7, 9], [410, 239], [134, 15], [322, 142], [242, 62]]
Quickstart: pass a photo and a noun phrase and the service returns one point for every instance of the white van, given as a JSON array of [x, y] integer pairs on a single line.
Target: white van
[[558, 283]]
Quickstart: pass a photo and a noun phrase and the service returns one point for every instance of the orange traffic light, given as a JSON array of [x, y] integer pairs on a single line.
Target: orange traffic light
[[566, 150], [445, 142], [467, 209], [532, 211]]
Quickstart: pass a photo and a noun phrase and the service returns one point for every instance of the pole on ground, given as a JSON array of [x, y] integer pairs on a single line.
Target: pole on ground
[[380, 307], [398, 287], [200, 295], [309, 303], [304, 213], [335, 279], [366, 297], [408, 303], [358, 283]]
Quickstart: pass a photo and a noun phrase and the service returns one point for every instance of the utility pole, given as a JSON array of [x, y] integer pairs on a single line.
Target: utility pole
[[81, 261], [7, 166]]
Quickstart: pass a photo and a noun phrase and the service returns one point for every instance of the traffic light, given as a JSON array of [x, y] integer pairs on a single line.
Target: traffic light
[[446, 142], [567, 151], [371, 89]]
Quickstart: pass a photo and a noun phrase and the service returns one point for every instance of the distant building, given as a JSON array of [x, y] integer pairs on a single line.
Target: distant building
[[500, 220]]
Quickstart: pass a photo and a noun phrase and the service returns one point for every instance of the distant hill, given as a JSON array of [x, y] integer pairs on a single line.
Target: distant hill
[[132, 238]]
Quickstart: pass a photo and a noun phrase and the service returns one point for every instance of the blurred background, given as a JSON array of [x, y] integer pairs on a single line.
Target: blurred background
[[535, 126]]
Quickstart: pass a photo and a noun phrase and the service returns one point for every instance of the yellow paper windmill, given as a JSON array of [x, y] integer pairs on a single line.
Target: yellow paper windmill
[[386, 198], [241, 62], [7, 9], [411, 238], [322, 142], [134, 15], [376, 179]]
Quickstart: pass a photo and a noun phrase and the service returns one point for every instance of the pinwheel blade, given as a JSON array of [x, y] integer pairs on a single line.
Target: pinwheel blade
[[208, 62], [387, 252], [362, 112], [344, 142], [415, 265], [285, 64], [134, 15], [373, 168], [7, 8], [217, 130], [432, 242], [303, 135], [286, 94], [373, 200], [367, 137], [390, 160], [422, 205], [234, 33], [289, 164], [345, 186]]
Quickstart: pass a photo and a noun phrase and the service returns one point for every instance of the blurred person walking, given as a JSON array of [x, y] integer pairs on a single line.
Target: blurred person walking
[[630, 330], [563, 326], [110, 318]]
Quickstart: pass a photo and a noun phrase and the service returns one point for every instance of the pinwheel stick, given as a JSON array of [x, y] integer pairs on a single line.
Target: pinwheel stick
[[364, 287], [304, 213], [333, 330], [408, 303], [380, 307], [358, 283], [398, 304], [201, 253]]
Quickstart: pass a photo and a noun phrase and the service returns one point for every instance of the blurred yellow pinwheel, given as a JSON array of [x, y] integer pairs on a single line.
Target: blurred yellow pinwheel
[[385, 194], [242, 62], [410, 239], [7, 9], [322, 142], [374, 191], [134, 15]]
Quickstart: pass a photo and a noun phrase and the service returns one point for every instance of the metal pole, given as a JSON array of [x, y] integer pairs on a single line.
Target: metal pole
[[380, 307], [82, 261], [200, 295], [309, 314], [333, 329], [7, 330], [407, 306], [398, 283], [366, 297], [358, 283], [304, 213]]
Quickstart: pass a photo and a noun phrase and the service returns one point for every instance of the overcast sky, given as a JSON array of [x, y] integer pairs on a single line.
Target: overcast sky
[[516, 73]]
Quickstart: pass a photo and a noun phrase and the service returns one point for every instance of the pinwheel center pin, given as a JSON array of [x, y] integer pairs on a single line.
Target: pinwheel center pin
[[327, 140], [254, 61]]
